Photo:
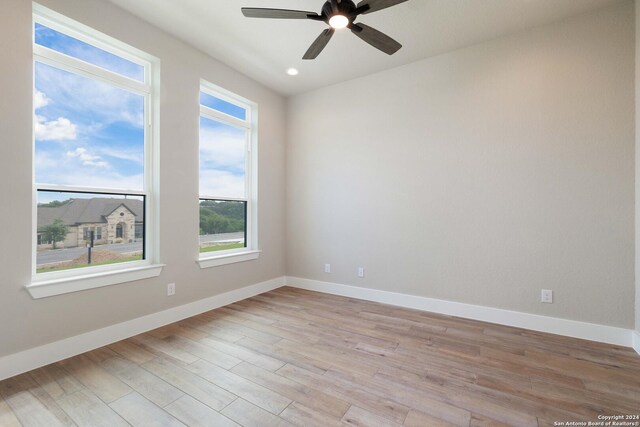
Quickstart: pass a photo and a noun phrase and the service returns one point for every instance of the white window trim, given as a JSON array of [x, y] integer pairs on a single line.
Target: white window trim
[[52, 287], [62, 282], [251, 251]]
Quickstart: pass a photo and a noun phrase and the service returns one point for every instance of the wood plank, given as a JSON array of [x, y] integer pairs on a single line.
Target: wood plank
[[285, 355], [482, 421], [249, 415], [356, 416], [353, 392], [145, 383], [417, 418], [91, 375], [7, 417], [190, 383], [209, 326], [293, 390], [437, 405], [241, 329], [139, 412], [86, 409], [22, 388], [196, 414], [100, 354], [248, 390], [132, 351], [301, 415], [204, 352], [56, 381], [26, 407], [163, 348], [52, 406], [238, 313]]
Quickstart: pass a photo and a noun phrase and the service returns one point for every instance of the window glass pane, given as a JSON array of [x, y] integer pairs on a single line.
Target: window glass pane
[[87, 132], [222, 159], [223, 106], [222, 225], [45, 36], [66, 222]]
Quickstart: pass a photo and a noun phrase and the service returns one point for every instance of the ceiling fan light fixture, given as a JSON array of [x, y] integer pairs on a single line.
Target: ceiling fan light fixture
[[338, 14], [338, 22]]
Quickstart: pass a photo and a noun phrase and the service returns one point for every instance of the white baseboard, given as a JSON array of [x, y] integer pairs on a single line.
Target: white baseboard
[[27, 360], [636, 341], [553, 325], [33, 358]]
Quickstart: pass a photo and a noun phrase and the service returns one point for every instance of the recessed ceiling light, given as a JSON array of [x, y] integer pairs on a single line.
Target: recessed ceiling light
[[292, 72], [338, 22]]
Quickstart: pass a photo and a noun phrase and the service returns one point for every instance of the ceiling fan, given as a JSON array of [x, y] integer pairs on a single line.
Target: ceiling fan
[[338, 14]]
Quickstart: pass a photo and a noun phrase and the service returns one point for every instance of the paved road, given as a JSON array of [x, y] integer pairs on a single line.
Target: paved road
[[59, 255], [226, 237]]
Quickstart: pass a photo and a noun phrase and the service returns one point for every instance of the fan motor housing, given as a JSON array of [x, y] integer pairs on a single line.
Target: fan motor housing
[[345, 7]]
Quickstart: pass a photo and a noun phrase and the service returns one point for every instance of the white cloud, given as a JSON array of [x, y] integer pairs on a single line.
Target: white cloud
[[221, 184], [85, 97], [54, 169], [40, 100], [86, 158], [55, 130], [225, 148], [131, 155]]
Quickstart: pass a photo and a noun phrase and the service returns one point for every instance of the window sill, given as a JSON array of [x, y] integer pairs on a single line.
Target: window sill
[[49, 288], [219, 260]]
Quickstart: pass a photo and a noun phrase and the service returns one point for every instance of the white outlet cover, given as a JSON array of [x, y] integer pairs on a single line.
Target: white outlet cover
[[361, 272], [546, 296], [171, 289], [327, 268]]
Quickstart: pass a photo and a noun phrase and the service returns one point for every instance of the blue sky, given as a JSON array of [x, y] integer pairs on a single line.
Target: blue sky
[[222, 159], [62, 43], [89, 133], [224, 106]]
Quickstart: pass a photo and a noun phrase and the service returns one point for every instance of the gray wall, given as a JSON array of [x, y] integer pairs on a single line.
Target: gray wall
[[25, 323], [479, 176]]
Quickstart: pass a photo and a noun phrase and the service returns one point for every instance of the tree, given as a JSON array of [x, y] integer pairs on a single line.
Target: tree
[[53, 204], [55, 232], [221, 217]]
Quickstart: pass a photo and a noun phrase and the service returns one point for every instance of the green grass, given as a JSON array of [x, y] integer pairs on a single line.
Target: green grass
[[214, 248], [95, 264]]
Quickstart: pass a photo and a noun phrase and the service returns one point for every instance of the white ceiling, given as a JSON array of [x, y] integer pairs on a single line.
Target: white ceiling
[[264, 48]]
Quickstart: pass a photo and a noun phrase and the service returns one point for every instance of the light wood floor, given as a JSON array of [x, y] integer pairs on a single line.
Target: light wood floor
[[304, 358]]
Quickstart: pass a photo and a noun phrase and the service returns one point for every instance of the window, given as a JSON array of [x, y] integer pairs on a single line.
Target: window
[[93, 145], [227, 174]]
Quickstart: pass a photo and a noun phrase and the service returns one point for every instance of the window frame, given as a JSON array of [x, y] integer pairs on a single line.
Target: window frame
[[250, 125], [59, 282]]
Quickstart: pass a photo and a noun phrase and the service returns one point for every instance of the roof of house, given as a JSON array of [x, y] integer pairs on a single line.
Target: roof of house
[[82, 211]]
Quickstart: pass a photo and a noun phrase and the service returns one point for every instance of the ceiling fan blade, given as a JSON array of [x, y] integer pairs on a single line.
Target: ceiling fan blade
[[319, 44], [257, 12], [375, 5], [376, 39]]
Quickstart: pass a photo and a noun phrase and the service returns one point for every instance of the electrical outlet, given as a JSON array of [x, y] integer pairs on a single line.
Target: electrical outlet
[[171, 289], [361, 272], [546, 296], [327, 268]]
